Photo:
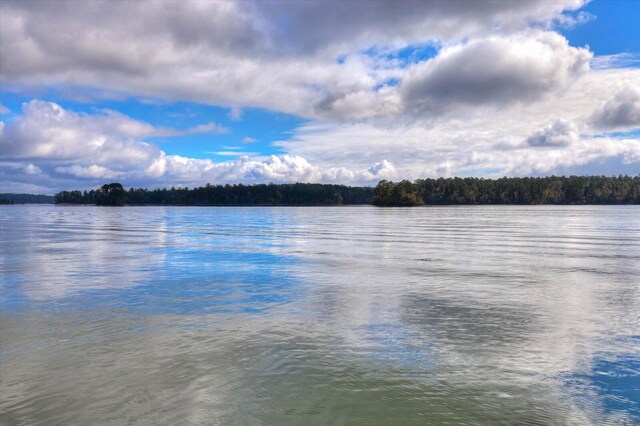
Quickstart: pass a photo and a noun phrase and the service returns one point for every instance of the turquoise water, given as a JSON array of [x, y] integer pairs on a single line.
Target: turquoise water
[[340, 315]]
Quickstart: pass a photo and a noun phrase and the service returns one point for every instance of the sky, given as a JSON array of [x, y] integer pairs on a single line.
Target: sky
[[183, 93]]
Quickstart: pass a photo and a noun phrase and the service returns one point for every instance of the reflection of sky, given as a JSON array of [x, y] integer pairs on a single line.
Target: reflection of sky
[[498, 300], [212, 282], [160, 265], [615, 384]]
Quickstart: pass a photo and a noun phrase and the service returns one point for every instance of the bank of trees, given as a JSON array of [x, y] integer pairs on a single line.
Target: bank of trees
[[111, 194], [545, 190], [27, 198], [401, 194], [211, 195]]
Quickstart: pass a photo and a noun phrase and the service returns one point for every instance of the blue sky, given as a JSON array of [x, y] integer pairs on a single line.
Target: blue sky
[[613, 28], [275, 92], [253, 131]]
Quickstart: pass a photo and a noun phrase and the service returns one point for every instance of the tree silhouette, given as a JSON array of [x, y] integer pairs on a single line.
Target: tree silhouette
[[111, 194], [545, 190]]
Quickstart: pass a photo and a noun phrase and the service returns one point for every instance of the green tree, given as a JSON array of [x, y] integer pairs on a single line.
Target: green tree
[[111, 194], [401, 194]]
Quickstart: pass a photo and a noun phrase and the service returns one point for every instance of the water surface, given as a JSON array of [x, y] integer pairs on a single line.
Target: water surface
[[341, 315]]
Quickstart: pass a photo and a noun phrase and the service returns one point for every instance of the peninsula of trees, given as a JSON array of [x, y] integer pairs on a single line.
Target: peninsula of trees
[[545, 190]]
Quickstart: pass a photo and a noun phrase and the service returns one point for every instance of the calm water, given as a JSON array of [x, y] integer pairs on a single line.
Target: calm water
[[329, 316]]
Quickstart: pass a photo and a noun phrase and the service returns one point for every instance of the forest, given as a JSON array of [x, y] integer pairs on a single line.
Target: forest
[[26, 199], [296, 194], [442, 191], [528, 190]]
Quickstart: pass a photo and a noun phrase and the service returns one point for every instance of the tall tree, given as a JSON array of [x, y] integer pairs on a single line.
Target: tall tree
[[111, 194]]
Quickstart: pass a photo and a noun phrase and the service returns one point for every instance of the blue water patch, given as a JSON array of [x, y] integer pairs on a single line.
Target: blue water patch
[[615, 384], [191, 281]]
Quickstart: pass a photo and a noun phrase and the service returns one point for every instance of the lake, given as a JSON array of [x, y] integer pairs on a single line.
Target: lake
[[481, 315]]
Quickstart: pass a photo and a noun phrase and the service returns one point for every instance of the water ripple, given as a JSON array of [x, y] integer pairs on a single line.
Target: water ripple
[[495, 315]]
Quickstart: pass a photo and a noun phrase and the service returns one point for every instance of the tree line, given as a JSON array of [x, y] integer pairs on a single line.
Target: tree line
[[26, 199], [528, 190], [296, 194], [442, 191]]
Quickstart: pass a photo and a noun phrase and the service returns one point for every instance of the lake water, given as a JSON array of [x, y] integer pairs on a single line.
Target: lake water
[[331, 316]]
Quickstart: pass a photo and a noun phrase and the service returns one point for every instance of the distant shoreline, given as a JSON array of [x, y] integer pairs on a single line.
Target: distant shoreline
[[324, 205], [553, 190]]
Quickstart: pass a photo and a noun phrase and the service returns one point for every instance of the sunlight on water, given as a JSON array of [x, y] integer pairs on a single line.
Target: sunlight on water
[[353, 315]]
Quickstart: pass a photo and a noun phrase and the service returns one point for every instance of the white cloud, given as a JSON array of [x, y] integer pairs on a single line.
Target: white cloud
[[274, 168], [278, 55], [62, 146], [210, 127], [618, 60], [482, 141], [91, 172], [494, 70], [4, 109], [560, 133], [484, 104], [621, 112], [32, 169], [47, 131], [231, 153], [235, 113], [361, 104]]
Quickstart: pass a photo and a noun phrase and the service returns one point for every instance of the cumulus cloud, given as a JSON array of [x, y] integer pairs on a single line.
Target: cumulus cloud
[[62, 146], [621, 112], [4, 109], [274, 168], [93, 171], [286, 168], [279, 55], [45, 130], [494, 70], [484, 142], [560, 133], [315, 26], [361, 104]]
